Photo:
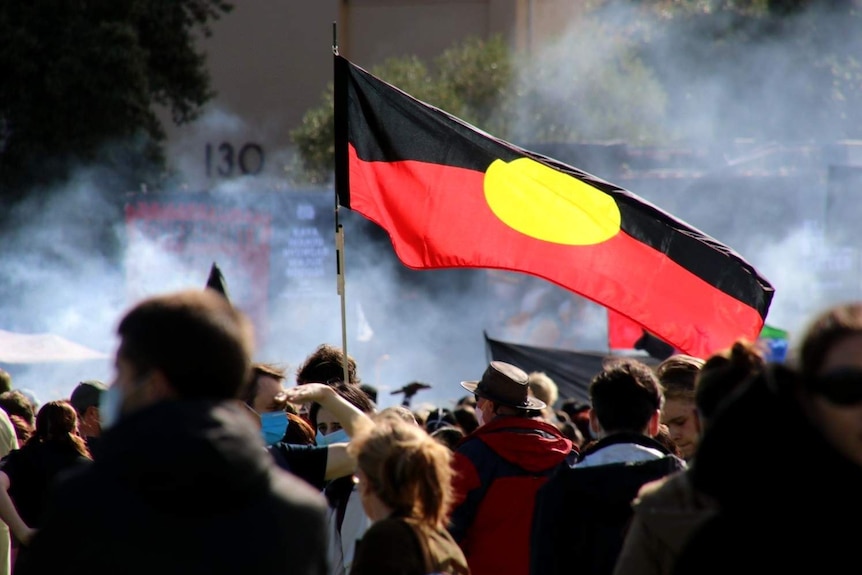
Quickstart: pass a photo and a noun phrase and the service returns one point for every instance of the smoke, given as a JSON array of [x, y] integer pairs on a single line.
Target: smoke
[[746, 158], [752, 122]]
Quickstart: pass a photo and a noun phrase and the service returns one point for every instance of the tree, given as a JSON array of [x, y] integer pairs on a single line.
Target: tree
[[468, 80], [81, 82], [563, 96]]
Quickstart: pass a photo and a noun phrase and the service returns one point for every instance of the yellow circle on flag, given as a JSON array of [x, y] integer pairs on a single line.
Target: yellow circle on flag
[[543, 203]]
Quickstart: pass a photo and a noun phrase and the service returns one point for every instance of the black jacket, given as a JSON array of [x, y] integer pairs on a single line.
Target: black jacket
[[788, 501], [184, 488], [583, 512]]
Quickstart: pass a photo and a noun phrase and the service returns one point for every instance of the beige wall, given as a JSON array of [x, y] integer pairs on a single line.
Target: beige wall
[[271, 60]]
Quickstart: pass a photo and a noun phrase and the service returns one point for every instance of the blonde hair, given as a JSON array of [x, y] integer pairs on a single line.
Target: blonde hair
[[406, 468], [543, 387], [677, 375]]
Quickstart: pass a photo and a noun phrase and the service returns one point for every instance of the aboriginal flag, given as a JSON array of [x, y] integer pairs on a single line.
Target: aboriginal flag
[[450, 195]]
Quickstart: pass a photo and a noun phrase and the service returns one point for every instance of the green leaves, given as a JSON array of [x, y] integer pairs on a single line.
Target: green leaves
[[467, 80], [81, 81]]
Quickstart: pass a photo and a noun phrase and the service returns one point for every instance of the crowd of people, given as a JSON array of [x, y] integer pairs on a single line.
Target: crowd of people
[[196, 459]]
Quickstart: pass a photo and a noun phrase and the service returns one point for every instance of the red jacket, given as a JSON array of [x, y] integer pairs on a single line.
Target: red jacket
[[498, 469]]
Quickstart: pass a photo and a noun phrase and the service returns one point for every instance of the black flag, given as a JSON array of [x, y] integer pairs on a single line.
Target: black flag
[[216, 281]]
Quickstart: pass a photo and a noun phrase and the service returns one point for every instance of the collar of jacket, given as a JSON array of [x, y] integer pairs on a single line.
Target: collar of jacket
[[623, 437]]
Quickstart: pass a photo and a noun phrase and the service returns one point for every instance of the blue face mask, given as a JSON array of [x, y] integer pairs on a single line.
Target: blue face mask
[[273, 425], [339, 436], [110, 406]]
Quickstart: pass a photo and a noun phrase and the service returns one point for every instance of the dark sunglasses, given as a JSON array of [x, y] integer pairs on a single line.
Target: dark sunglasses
[[841, 387]]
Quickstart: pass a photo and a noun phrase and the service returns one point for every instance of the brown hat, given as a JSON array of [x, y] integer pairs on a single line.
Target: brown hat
[[505, 384]]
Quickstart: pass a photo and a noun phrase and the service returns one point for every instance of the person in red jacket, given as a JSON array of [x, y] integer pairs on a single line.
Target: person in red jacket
[[498, 469]]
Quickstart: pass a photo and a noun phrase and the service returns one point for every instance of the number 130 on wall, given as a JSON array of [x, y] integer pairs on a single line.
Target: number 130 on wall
[[226, 161]]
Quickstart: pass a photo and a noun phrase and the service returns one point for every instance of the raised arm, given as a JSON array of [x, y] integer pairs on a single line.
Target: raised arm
[[338, 461], [352, 420], [9, 514]]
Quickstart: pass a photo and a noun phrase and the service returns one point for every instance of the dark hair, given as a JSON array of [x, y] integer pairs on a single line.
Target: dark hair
[[723, 373], [349, 392], [663, 437], [196, 338], [23, 429], [326, 365], [440, 417], [57, 422], [567, 427], [259, 370], [826, 330], [299, 431], [465, 415], [625, 395], [16, 403], [370, 391], [5, 381], [448, 436]]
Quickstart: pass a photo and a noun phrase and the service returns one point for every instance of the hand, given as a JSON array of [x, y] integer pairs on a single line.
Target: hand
[[411, 388], [308, 393], [26, 535]]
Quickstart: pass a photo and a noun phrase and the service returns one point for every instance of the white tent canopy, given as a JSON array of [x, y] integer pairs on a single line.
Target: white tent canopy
[[42, 348]]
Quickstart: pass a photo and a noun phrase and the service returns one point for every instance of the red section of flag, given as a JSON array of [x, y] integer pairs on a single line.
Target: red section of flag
[[622, 332]]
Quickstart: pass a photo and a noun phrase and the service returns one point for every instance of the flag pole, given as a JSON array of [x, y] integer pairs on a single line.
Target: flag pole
[[339, 229]]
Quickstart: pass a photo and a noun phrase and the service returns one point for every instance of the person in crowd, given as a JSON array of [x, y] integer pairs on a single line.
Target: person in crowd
[[404, 478], [568, 429], [783, 459], [498, 469], [579, 413], [466, 400], [23, 429], [582, 512], [9, 441], [299, 431], [545, 389], [29, 473], [663, 436], [85, 398], [439, 417], [319, 464], [183, 483], [267, 383], [667, 511], [326, 365], [16, 403], [346, 519], [677, 375], [465, 415], [5, 381], [399, 411], [448, 436], [31, 396], [264, 395]]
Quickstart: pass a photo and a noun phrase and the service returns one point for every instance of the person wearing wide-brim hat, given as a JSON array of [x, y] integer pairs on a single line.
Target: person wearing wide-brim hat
[[513, 449]]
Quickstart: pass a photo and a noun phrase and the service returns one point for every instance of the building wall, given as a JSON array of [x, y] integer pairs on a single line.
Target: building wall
[[271, 61]]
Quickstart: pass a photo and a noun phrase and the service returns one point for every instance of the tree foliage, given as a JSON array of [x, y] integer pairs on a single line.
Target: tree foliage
[[648, 72], [81, 82], [468, 80]]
